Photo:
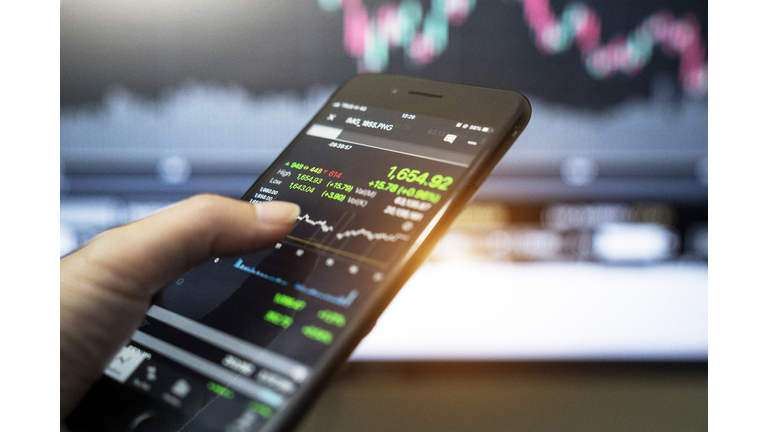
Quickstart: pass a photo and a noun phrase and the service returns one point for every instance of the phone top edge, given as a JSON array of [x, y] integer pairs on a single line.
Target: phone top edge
[[457, 101]]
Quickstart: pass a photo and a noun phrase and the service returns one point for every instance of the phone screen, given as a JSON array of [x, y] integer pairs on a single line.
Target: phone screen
[[226, 345]]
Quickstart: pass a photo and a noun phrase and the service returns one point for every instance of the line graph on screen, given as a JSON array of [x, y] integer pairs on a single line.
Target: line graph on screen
[[372, 236], [364, 233], [365, 244], [323, 224], [371, 36]]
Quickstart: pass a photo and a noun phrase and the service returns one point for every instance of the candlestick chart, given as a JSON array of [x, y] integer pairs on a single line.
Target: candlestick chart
[[372, 34]]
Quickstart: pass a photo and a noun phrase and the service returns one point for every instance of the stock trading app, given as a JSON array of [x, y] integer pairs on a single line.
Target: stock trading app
[[252, 327], [361, 207]]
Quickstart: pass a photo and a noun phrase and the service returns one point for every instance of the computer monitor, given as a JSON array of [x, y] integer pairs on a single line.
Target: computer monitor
[[589, 240]]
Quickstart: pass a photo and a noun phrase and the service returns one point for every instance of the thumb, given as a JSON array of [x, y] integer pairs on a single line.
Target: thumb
[[106, 286]]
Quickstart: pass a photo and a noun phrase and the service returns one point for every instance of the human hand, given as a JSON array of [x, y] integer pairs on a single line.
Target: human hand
[[107, 285]]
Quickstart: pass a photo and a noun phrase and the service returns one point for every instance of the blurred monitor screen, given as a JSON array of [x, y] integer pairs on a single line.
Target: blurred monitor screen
[[589, 240]]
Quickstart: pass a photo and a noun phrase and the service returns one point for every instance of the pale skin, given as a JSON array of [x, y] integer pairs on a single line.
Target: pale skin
[[107, 285]]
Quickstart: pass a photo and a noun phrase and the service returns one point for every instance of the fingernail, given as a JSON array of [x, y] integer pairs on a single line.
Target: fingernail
[[277, 212]]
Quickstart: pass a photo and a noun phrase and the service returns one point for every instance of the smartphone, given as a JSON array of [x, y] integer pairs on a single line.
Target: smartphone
[[245, 343]]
